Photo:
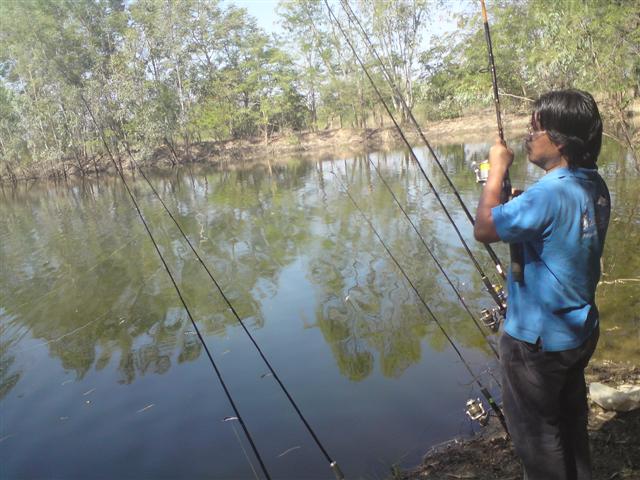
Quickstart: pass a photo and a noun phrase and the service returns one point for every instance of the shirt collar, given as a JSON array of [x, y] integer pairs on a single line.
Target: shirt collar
[[583, 173]]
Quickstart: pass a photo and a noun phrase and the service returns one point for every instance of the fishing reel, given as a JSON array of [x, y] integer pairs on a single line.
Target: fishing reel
[[491, 318], [476, 412], [481, 169], [502, 295]]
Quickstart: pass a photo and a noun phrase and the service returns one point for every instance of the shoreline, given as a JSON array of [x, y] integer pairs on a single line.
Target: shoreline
[[349, 141], [337, 143], [613, 437], [322, 144]]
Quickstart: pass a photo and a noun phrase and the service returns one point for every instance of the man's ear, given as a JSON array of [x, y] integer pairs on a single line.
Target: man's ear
[[560, 146]]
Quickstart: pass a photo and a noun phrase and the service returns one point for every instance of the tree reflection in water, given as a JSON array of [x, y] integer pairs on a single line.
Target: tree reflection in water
[[79, 277]]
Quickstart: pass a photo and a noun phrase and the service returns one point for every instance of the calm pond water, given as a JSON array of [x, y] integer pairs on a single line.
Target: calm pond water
[[103, 376]]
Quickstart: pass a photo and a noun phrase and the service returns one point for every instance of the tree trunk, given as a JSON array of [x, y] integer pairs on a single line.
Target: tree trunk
[[174, 155]]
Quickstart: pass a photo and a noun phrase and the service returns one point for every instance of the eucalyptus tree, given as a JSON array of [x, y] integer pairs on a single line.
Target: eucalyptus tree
[[27, 66], [13, 149], [304, 23], [160, 32], [107, 79], [396, 31], [539, 45], [55, 54], [87, 80]]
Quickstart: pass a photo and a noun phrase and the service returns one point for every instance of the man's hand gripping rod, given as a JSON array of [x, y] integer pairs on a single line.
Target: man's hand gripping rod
[[515, 250]]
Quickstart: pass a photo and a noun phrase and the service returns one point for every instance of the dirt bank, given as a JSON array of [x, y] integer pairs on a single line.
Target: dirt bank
[[614, 442], [323, 144], [346, 142]]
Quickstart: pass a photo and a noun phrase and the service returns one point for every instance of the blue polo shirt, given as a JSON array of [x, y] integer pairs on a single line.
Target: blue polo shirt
[[561, 221]]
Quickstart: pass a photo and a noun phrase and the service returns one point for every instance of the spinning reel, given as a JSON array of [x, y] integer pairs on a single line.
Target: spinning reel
[[476, 412]]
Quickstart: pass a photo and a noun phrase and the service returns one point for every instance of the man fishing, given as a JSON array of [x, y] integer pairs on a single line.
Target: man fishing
[[551, 328]]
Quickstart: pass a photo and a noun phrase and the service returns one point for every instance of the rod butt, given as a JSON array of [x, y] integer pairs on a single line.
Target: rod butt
[[336, 470]]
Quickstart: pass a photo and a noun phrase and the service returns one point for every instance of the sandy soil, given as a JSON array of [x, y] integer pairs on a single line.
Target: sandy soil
[[324, 144], [347, 142], [614, 442]]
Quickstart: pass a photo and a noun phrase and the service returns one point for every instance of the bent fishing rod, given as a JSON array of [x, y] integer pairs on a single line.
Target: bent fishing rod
[[333, 464], [435, 259], [515, 249], [365, 36], [496, 295], [485, 392], [180, 296]]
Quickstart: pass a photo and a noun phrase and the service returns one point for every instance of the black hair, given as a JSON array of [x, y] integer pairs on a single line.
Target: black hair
[[572, 121]]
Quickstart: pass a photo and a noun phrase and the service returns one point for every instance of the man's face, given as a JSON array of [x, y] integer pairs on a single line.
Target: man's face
[[541, 151]]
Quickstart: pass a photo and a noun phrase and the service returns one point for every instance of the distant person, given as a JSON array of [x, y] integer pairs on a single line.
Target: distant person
[[551, 329]]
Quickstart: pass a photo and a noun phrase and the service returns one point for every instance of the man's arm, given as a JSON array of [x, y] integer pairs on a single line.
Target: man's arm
[[500, 158]]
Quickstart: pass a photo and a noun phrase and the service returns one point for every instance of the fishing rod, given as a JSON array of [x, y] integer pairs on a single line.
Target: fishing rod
[[353, 17], [474, 409], [179, 293], [496, 293], [333, 464], [437, 262], [515, 249]]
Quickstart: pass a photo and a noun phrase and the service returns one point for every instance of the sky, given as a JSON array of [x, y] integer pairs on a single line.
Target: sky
[[265, 13], [263, 10]]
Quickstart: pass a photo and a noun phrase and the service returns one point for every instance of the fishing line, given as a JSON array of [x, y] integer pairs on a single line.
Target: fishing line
[[90, 269], [485, 280], [433, 256], [177, 289], [441, 269], [352, 16], [483, 389], [516, 251], [244, 451], [332, 463]]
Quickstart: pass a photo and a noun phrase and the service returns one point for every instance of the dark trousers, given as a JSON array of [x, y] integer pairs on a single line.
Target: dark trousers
[[544, 399]]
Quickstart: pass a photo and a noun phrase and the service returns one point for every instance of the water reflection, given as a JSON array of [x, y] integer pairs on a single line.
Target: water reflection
[[81, 281], [10, 373], [75, 259]]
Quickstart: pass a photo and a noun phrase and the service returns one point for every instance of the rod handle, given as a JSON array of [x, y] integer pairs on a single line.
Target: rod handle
[[336, 470], [516, 253]]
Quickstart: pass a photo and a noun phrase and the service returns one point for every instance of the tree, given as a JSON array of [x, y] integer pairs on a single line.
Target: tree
[[85, 82], [303, 23], [396, 31]]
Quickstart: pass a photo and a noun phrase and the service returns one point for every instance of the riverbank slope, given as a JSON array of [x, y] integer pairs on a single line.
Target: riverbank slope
[[344, 142], [613, 436], [281, 148]]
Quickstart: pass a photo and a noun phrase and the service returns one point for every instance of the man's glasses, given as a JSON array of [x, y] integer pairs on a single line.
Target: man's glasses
[[533, 133]]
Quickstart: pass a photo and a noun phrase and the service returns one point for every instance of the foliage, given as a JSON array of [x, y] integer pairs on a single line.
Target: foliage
[[539, 45], [115, 80], [86, 82]]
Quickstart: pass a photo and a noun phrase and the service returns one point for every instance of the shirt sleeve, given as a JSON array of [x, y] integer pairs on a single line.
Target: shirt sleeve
[[524, 218]]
